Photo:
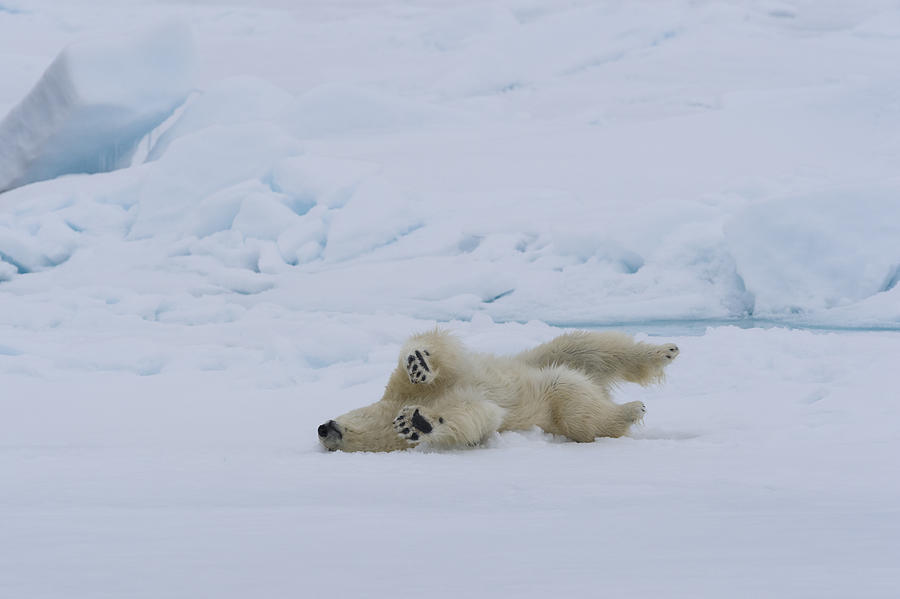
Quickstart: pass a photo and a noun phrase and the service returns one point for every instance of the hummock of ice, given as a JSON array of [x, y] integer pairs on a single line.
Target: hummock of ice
[[94, 103], [819, 251], [551, 185]]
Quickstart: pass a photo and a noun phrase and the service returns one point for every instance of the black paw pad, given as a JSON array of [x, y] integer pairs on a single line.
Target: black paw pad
[[418, 368], [412, 425], [420, 423], [421, 361]]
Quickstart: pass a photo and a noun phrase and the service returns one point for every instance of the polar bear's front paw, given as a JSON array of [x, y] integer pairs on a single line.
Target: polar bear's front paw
[[414, 425], [418, 367]]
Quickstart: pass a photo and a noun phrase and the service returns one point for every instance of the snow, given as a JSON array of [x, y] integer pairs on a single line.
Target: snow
[[298, 187], [766, 472]]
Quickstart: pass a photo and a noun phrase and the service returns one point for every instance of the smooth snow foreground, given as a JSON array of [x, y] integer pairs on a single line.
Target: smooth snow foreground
[[173, 331], [765, 468]]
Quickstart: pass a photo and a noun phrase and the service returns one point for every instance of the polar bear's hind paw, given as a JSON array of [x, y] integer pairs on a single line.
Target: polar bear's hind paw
[[634, 411], [418, 367], [668, 351]]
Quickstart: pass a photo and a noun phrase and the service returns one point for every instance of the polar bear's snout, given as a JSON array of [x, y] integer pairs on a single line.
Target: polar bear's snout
[[330, 435]]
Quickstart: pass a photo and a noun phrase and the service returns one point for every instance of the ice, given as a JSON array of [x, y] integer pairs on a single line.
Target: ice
[[353, 231], [337, 110], [227, 102], [202, 163], [263, 216], [217, 211], [818, 251], [94, 103], [442, 176], [322, 180], [303, 241], [721, 175]]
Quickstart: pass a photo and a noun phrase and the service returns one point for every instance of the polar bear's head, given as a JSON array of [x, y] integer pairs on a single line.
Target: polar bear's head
[[372, 428]]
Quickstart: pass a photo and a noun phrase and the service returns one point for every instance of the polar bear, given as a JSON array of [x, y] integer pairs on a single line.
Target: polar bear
[[445, 396]]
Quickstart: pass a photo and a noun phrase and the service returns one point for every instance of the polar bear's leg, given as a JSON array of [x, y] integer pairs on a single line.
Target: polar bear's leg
[[645, 362], [457, 419], [582, 410], [427, 356], [605, 357], [587, 420]]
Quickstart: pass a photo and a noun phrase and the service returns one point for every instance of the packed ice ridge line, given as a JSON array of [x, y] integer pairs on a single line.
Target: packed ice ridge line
[[94, 104]]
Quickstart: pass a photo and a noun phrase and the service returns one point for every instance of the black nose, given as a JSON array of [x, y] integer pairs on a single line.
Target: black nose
[[324, 429]]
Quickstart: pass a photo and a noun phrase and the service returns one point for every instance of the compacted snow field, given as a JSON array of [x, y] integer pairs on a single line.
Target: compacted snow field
[[221, 219]]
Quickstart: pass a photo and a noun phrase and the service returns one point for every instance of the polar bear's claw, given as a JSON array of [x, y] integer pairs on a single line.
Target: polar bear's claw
[[668, 351], [418, 367], [634, 411]]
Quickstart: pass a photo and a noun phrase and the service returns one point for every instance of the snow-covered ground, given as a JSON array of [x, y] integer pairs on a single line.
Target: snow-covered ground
[[342, 174]]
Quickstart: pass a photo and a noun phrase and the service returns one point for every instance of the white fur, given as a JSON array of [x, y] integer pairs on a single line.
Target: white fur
[[562, 386]]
